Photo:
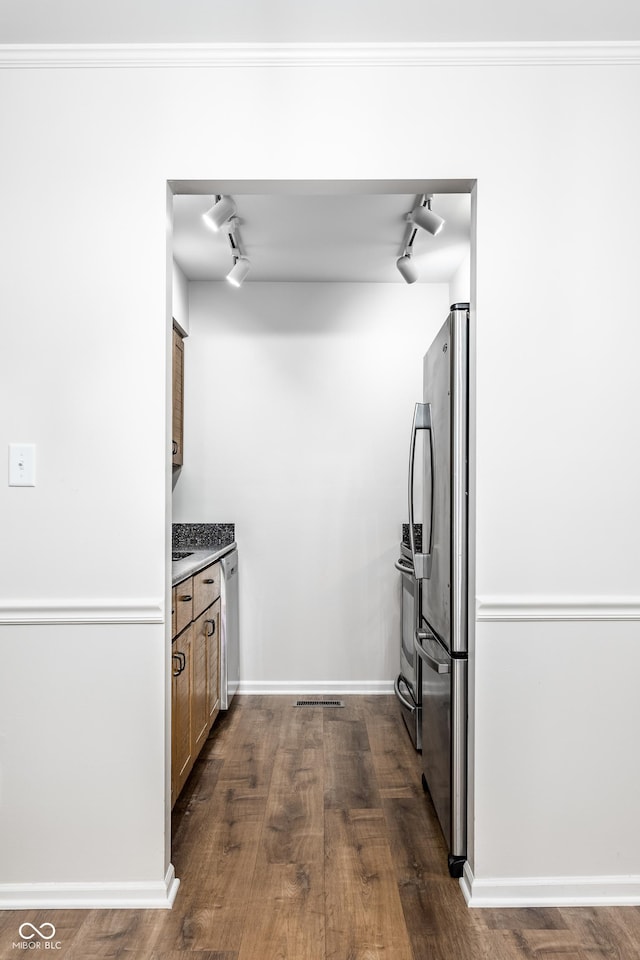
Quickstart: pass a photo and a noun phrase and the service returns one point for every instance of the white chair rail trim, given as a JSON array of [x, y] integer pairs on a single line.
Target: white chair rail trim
[[579, 53], [70, 611], [523, 608]]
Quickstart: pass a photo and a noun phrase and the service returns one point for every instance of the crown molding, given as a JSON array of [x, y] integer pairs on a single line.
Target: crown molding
[[131, 55], [534, 608]]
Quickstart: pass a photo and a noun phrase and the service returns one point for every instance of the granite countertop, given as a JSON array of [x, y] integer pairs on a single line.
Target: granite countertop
[[198, 558], [202, 544]]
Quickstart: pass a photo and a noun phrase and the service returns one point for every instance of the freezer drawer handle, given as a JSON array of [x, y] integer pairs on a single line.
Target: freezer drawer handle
[[421, 421], [404, 566], [436, 665], [403, 700]]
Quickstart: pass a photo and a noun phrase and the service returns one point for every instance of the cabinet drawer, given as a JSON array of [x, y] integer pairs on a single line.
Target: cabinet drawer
[[206, 588], [184, 604]]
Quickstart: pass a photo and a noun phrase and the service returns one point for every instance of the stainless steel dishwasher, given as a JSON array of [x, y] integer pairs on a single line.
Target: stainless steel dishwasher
[[229, 629]]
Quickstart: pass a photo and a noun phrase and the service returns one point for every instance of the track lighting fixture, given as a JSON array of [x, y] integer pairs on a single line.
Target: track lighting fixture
[[238, 271], [424, 217], [407, 268], [223, 209], [224, 212], [421, 216]]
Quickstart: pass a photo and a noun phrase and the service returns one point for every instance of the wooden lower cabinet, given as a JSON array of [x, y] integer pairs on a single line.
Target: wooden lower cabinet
[[181, 716], [200, 724], [195, 699], [213, 662]]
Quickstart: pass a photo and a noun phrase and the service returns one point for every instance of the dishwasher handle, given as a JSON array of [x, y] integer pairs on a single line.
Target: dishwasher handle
[[438, 666]]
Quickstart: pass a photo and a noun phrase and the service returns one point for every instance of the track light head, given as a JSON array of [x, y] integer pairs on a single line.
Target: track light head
[[238, 272], [407, 268], [426, 219], [223, 209]]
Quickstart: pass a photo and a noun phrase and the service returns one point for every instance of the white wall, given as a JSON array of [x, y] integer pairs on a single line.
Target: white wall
[[82, 242], [336, 20], [180, 298], [298, 399], [561, 695], [460, 283]]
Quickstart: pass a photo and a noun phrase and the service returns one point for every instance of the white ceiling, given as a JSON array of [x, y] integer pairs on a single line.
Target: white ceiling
[[269, 21], [322, 237]]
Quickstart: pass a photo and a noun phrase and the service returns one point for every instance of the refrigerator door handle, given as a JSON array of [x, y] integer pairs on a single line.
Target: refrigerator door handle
[[421, 421], [437, 665]]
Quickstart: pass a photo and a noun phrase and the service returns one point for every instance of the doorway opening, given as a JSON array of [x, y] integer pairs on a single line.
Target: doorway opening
[[296, 392]]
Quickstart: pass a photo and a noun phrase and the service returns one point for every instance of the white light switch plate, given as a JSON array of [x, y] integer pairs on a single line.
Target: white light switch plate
[[22, 464]]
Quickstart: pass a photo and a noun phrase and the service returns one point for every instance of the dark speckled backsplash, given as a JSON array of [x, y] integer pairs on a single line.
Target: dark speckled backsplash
[[417, 535], [202, 535]]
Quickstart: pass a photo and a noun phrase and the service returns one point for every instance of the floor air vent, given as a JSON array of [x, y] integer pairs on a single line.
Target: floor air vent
[[319, 703]]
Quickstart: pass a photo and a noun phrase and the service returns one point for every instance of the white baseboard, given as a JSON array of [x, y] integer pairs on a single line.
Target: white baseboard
[[294, 687], [610, 891], [140, 895]]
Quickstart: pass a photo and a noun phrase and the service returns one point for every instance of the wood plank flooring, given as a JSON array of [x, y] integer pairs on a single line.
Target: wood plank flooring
[[304, 834]]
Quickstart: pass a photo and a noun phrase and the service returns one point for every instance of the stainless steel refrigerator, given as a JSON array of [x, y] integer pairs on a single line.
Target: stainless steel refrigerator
[[441, 641]]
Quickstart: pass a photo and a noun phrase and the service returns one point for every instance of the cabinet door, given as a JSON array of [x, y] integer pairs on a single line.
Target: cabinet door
[[178, 399], [181, 738], [213, 660], [206, 588], [199, 705]]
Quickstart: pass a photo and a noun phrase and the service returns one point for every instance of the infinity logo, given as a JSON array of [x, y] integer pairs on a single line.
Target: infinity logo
[[39, 931]]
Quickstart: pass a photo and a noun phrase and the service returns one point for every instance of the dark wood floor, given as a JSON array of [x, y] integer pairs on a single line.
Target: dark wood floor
[[304, 834]]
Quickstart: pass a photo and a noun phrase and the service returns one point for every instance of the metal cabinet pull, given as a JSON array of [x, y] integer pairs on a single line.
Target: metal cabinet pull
[[175, 447], [213, 627], [182, 662], [187, 597], [210, 580]]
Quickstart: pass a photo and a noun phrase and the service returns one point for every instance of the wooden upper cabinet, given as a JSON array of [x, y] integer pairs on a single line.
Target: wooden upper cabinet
[[178, 399]]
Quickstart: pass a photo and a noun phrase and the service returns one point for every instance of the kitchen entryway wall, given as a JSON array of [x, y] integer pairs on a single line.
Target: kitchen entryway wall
[[85, 553], [298, 399]]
